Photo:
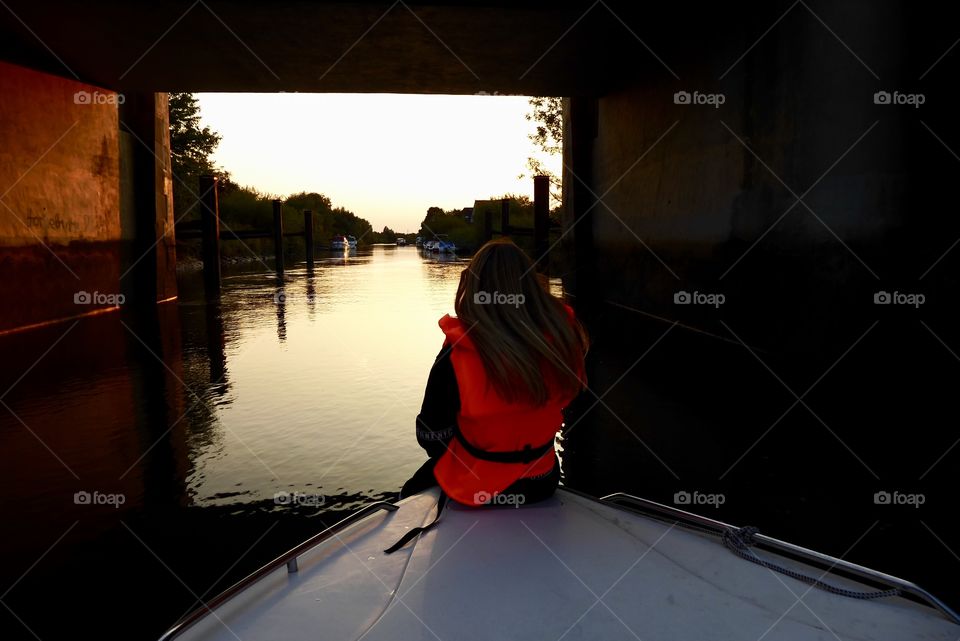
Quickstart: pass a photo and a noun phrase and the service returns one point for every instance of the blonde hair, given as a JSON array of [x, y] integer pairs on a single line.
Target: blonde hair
[[530, 346]]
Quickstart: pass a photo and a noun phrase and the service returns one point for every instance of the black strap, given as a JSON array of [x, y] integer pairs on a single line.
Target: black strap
[[406, 538], [527, 455]]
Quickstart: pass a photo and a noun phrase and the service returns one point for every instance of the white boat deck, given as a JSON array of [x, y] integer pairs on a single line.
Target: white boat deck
[[568, 568]]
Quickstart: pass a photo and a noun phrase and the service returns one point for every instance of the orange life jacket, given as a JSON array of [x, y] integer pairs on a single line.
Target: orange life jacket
[[496, 443]]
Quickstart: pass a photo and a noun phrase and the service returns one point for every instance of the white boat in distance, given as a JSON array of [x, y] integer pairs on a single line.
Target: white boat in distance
[[338, 243], [570, 567], [440, 245]]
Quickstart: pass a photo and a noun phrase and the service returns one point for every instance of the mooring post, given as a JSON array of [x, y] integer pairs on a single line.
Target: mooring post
[[505, 217], [487, 224], [541, 218], [308, 234], [278, 235], [210, 233]]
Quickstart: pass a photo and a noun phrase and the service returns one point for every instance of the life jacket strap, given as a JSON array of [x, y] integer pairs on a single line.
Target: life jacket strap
[[527, 455], [406, 538]]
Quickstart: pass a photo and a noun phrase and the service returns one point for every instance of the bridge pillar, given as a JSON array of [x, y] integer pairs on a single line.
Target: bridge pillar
[[148, 262]]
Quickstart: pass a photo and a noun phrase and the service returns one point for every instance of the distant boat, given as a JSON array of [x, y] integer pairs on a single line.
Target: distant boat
[[419, 241], [401, 241], [521, 573], [352, 242], [442, 245], [338, 243]]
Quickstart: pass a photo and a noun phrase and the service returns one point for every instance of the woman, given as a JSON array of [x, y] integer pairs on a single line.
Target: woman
[[511, 360]]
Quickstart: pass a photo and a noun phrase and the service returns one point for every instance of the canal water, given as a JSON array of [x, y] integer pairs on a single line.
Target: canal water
[[153, 457]]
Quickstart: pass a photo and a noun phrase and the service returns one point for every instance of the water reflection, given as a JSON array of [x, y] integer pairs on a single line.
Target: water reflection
[[198, 414]]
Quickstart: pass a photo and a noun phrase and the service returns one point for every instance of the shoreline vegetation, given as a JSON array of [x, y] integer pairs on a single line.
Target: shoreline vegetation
[[244, 208]]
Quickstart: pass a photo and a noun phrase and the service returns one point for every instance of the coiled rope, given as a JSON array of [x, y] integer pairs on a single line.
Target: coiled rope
[[739, 540]]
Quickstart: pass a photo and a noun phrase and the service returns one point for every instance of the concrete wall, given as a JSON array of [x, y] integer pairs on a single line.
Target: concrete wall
[[59, 161], [61, 231], [687, 206], [687, 191], [59, 173]]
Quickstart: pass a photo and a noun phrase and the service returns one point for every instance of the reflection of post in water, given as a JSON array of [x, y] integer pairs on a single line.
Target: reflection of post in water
[[216, 348], [280, 297], [311, 293], [154, 339]]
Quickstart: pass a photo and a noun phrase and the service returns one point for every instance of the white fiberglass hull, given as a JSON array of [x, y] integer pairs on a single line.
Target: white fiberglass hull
[[568, 568]]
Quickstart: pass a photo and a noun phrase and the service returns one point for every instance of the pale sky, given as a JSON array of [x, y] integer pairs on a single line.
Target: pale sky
[[386, 157]]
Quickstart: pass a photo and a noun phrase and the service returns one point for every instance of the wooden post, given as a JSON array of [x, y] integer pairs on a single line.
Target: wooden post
[[487, 224], [278, 235], [541, 219], [210, 233], [584, 282], [308, 234], [505, 217]]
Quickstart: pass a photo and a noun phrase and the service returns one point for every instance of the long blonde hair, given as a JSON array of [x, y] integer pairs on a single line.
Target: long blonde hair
[[529, 345]]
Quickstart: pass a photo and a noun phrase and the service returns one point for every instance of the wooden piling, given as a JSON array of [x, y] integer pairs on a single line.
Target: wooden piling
[[308, 234], [278, 235], [210, 233], [505, 217], [541, 219]]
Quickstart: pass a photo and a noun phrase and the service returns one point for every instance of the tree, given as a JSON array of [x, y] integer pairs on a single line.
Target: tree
[[191, 147], [547, 113]]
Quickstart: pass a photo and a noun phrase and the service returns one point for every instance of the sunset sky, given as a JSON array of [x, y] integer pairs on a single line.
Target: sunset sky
[[386, 157]]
